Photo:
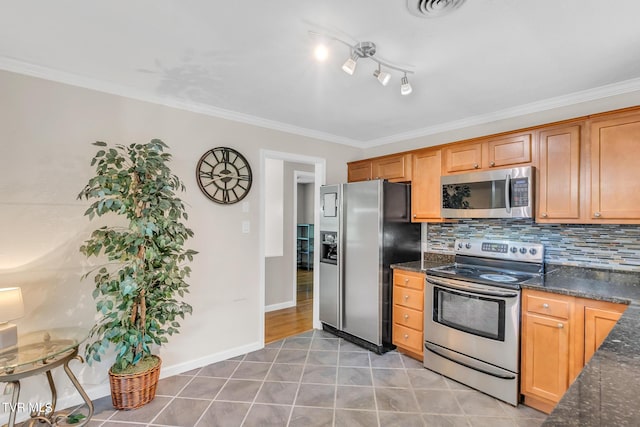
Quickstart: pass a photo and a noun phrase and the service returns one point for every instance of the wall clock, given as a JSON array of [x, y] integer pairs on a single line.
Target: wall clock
[[224, 175]]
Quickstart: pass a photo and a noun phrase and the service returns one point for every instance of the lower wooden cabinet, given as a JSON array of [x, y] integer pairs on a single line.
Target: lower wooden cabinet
[[560, 333], [408, 312]]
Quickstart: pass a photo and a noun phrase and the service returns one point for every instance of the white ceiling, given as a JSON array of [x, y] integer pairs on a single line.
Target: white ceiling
[[252, 60]]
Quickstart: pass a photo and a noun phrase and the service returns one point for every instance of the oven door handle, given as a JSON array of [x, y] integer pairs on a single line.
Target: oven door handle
[[454, 359], [470, 288]]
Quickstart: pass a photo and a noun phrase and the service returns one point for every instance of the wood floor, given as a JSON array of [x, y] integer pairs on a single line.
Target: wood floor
[[291, 321]]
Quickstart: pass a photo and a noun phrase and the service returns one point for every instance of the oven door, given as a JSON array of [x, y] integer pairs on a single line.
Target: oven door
[[473, 319]]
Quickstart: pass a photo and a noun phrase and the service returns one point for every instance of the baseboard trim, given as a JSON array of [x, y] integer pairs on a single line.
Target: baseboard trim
[[279, 306]]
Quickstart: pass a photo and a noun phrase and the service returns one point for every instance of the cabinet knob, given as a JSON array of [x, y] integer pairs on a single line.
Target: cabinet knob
[[545, 305], [415, 216], [476, 166], [492, 164], [406, 297], [406, 280], [560, 325], [544, 215], [406, 317], [406, 336], [597, 214]]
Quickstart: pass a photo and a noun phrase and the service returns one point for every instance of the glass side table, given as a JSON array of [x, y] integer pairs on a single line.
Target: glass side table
[[40, 352]]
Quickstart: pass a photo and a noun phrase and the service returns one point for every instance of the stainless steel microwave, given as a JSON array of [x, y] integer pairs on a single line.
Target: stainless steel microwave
[[499, 193]]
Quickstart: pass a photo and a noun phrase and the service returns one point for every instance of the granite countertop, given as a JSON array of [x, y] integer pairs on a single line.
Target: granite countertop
[[430, 260], [606, 391]]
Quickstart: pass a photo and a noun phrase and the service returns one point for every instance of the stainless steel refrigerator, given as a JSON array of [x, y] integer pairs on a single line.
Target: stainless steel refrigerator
[[364, 228]]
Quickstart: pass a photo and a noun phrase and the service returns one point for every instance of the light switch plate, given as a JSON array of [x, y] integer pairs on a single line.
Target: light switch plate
[[245, 207], [246, 226]]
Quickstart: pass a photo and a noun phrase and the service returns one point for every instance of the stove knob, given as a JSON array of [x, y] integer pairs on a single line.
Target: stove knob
[[514, 249], [533, 251], [468, 246], [523, 251], [459, 245]]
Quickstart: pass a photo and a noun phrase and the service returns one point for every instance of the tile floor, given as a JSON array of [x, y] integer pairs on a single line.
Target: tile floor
[[315, 379]]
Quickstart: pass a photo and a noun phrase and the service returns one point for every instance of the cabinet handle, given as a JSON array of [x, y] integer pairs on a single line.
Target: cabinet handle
[[476, 166], [415, 216], [406, 336], [406, 280], [406, 317], [406, 297], [597, 214], [544, 215], [492, 164], [560, 325], [545, 305]]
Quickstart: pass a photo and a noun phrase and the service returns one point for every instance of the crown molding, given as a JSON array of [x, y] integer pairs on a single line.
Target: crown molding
[[619, 88], [33, 70]]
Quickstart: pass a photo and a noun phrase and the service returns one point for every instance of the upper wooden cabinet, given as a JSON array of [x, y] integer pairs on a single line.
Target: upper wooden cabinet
[[489, 153], [559, 174], [395, 168], [615, 175], [425, 186]]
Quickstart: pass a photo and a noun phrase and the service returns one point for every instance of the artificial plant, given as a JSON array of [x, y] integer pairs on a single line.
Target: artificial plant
[[139, 292]]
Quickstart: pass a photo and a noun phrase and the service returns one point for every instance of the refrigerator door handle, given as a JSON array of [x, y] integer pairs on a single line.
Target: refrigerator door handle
[[340, 258]]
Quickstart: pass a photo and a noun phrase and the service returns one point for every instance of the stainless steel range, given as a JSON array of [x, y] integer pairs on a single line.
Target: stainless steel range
[[472, 314]]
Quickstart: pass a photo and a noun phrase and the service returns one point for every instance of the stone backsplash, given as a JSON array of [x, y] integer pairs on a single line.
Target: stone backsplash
[[615, 247]]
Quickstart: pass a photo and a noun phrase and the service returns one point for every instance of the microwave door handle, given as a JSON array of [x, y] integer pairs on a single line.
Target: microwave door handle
[[507, 194]]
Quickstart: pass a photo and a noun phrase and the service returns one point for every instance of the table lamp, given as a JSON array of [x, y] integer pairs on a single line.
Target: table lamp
[[11, 308]]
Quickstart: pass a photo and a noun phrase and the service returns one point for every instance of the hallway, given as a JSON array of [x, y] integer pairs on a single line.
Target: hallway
[[284, 323]]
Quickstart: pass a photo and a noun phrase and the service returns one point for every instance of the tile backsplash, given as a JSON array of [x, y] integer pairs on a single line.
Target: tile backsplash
[[614, 247]]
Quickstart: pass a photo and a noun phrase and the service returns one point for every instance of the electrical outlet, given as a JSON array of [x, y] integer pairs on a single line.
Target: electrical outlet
[[246, 226]]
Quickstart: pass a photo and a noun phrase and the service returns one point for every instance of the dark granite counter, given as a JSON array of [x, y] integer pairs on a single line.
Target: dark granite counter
[[430, 260], [607, 391]]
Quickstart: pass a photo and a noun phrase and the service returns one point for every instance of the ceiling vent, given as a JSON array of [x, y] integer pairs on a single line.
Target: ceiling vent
[[433, 8]]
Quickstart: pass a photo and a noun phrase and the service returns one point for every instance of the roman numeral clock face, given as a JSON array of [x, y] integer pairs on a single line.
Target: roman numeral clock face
[[224, 175]]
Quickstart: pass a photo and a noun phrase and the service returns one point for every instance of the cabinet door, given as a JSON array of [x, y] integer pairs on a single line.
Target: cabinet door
[[559, 183], [393, 168], [545, 357], [615, 175], [359, 171], [425, 186], [509, 150], [598, 322], [463, 157]]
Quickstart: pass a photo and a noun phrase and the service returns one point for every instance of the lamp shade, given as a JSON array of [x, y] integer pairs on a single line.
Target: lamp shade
[[11, 305]]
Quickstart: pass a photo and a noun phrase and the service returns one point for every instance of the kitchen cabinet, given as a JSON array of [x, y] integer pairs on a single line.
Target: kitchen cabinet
[[560, 175], [494, 152], [408, 312], [560, 333], [615, 175], [425, 186], [599, 318], [395, 168], [546, 352]]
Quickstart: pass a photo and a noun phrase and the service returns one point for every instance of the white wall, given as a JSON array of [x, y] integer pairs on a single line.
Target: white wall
[[306, 203], [273, 207], [45, 133]]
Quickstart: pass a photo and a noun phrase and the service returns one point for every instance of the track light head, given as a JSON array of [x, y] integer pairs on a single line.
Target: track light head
[[349, 66], [382, 76], [405, 87]]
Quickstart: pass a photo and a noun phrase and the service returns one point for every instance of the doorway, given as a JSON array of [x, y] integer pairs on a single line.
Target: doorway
[[298, 318], [297, 311]]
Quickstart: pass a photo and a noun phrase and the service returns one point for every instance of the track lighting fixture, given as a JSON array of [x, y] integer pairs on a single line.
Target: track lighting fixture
[[350, 64], [382, 76], [368, 50], [405, 87]]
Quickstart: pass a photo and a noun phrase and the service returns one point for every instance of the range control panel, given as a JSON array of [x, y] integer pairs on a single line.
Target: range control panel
[[501, 249]]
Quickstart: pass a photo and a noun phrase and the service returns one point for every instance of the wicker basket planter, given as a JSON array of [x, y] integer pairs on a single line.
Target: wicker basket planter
[[131, 391]]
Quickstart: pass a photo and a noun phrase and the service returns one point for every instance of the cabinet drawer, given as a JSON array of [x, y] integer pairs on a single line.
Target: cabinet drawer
[[407, 338], [548, 305], [409, 280], [408, 317], [408, 298]]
